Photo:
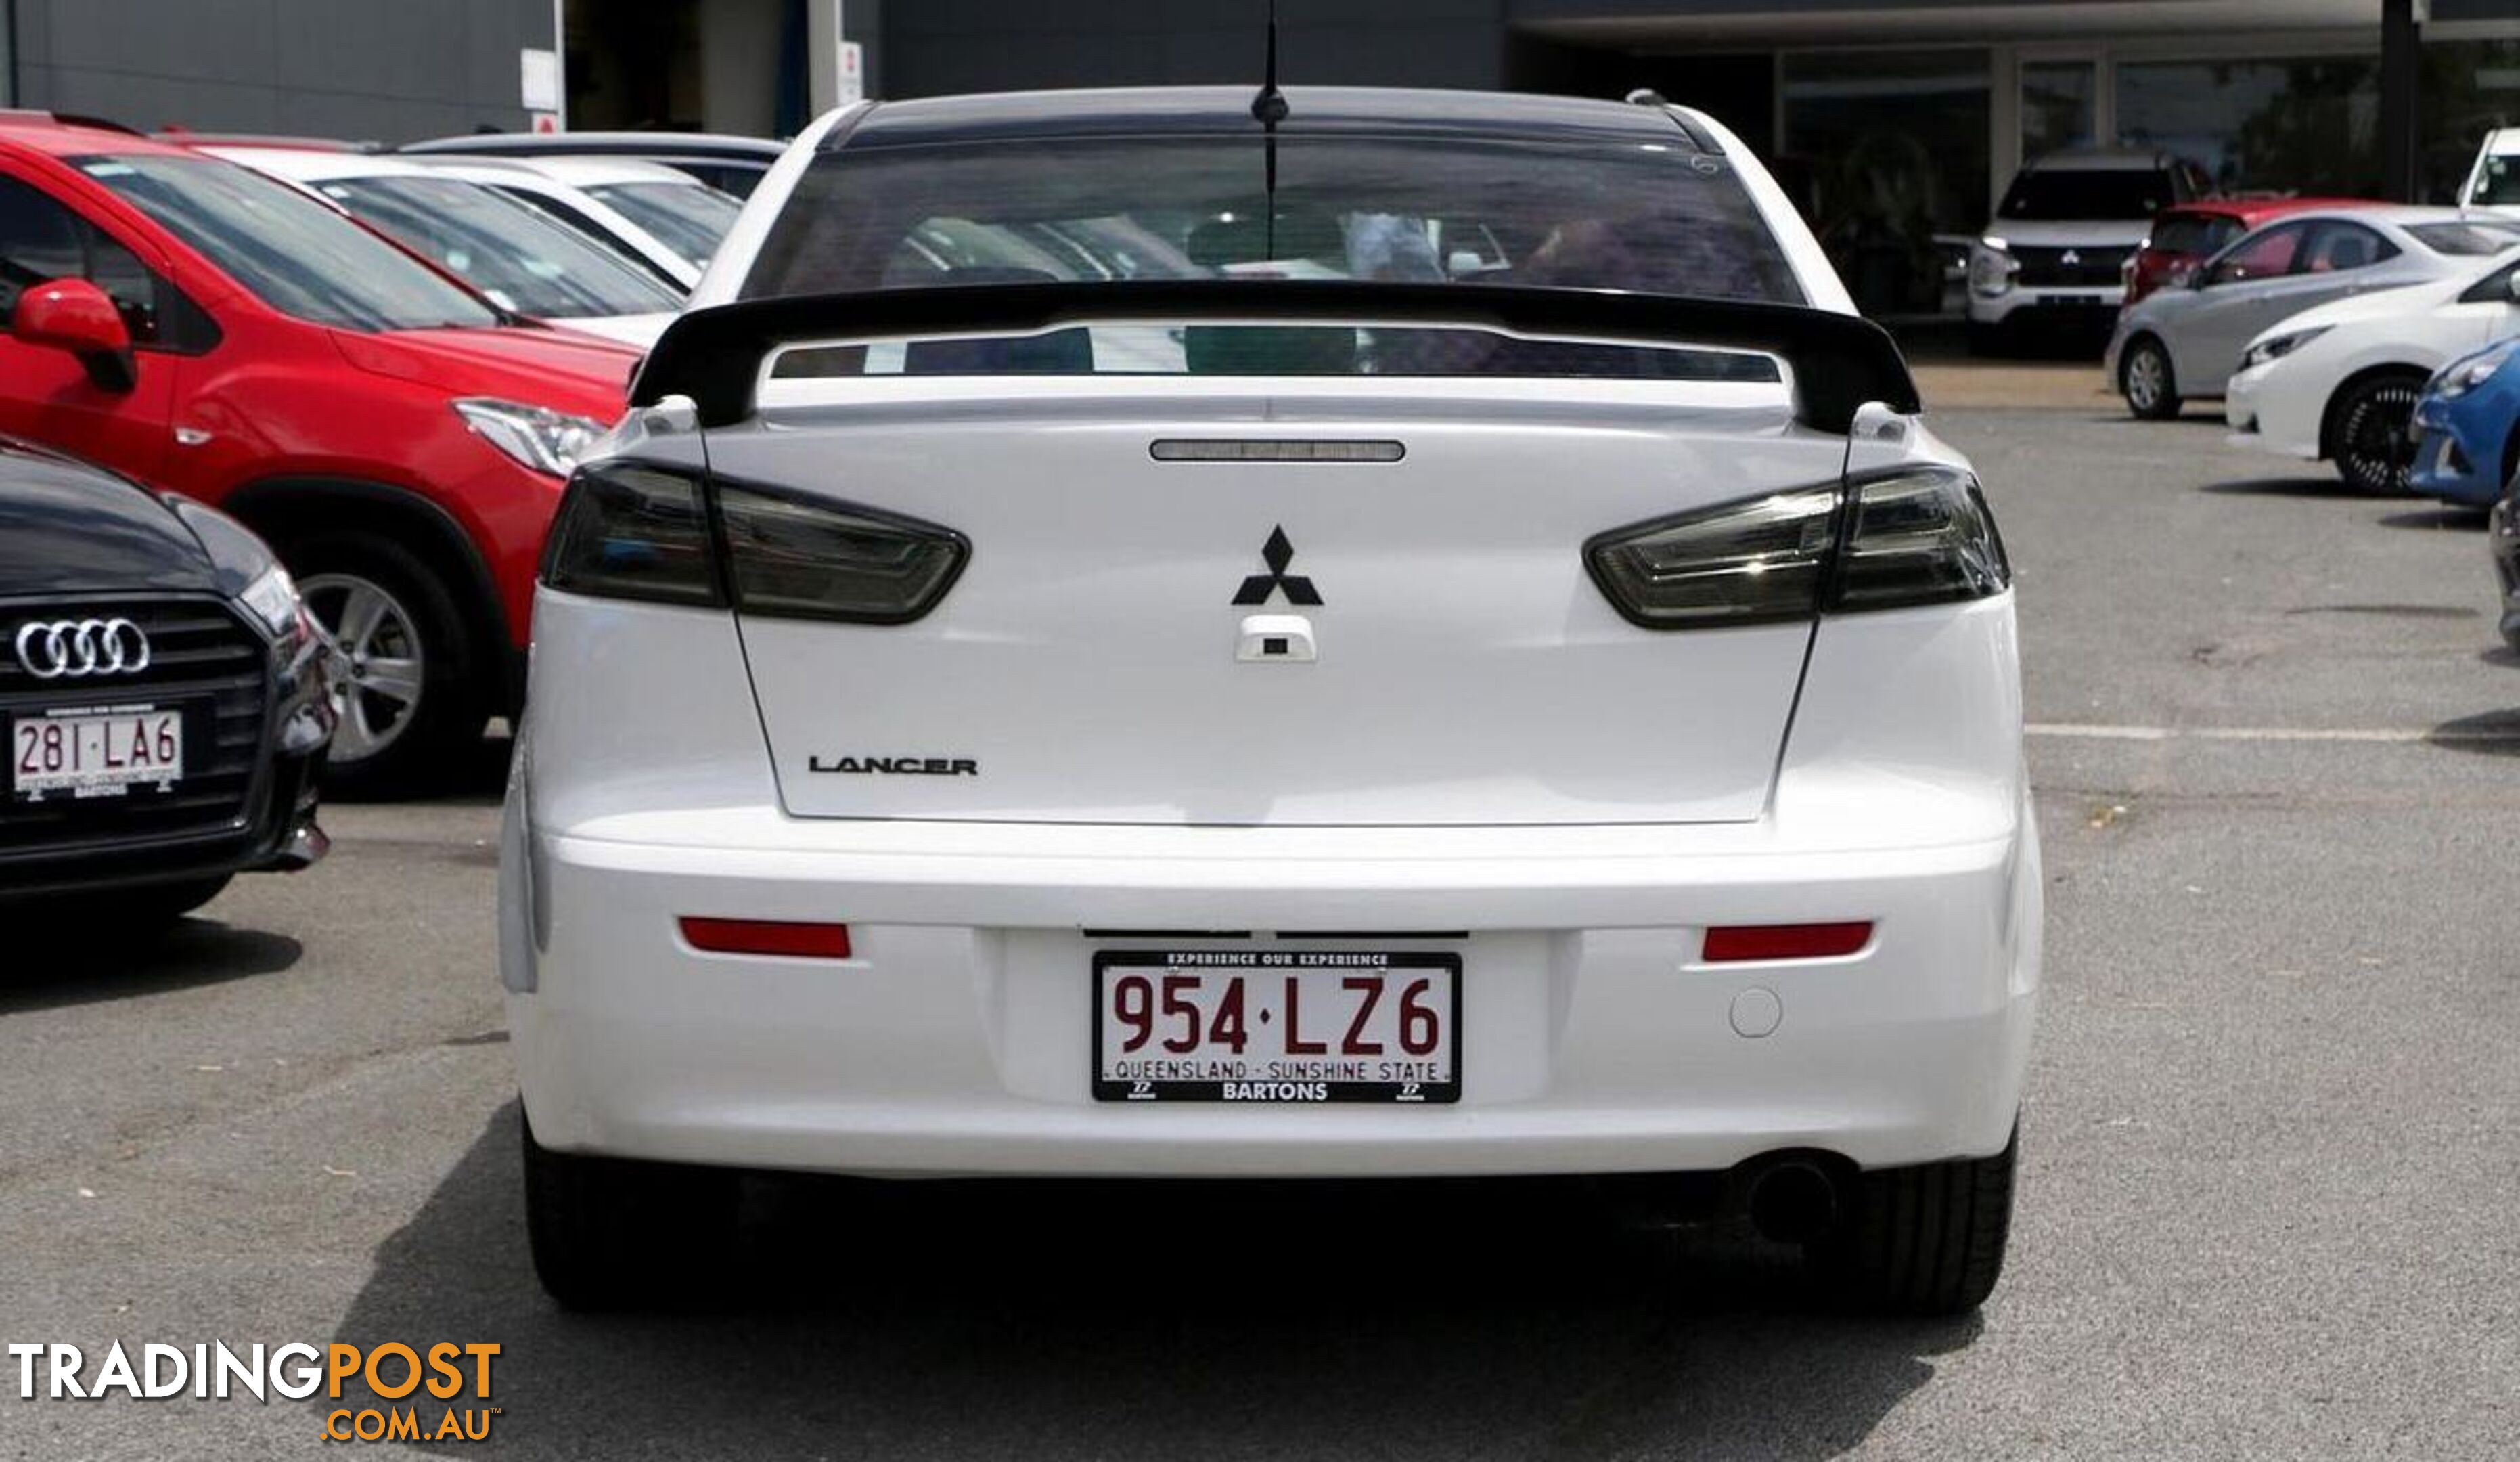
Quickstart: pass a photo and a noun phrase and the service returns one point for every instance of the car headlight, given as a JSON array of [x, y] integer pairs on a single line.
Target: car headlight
[[2276, 346], [2460, 377], [536, 436], [1992, 266], [273, 598]]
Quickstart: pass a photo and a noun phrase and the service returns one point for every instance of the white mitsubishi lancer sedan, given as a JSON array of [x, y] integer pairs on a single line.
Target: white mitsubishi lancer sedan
[[1164, 634]]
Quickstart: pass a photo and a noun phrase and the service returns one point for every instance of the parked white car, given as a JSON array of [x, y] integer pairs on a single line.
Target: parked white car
[[2184, 339], [2493, 180], [2340, 382], [679, 210], [1427, 726], [2054, 259], [523, 259], [520, 179]]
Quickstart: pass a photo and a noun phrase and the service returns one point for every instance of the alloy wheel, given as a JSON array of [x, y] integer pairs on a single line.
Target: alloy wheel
[[377, 663], [2146, 377], [2373, 446]]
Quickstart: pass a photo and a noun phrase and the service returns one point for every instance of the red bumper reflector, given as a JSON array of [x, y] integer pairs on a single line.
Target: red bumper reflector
[[768, 936], [1729, 943]]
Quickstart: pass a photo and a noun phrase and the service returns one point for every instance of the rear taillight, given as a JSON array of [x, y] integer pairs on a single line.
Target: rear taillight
[[1922, 535], [636, 531], [1886, 540], [802, 559], [1753, 562], [631, 531]]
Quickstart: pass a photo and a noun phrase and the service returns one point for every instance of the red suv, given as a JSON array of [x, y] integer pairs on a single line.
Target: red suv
[[398, 437], [2186, 235]]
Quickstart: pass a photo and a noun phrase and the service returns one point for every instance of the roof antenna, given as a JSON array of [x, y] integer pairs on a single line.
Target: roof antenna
[[1269, 109]]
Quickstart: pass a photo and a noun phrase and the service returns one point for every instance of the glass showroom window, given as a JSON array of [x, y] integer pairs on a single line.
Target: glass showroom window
[[2308, 125], [2058, 102], [1897, 142]]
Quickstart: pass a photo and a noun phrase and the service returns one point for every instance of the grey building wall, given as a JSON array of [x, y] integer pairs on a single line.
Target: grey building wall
[[939, 46], [388, 69]]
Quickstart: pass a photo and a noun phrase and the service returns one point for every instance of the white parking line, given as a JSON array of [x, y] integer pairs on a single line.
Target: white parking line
[[2386, 735]]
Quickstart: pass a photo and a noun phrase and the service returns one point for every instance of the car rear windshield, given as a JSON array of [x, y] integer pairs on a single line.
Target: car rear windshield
[[518, 257], [2467, 237], [2499, 182], [300, 256], [690, 221], [2090, 194], [1609, 214], [2194, 233]]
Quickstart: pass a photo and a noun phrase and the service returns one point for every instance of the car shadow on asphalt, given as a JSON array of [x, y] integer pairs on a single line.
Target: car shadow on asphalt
[[2490, 733], [47, 969], [2439, 517], [2327, 486], [1160, 1320]]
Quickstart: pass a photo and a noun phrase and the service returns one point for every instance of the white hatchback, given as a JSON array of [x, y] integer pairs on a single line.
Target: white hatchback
[[1109, 645]]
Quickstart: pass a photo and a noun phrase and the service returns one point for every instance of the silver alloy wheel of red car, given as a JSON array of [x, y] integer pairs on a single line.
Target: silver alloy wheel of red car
[[377, 660]]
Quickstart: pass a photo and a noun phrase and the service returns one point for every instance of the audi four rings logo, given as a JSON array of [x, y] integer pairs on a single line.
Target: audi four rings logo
[[71, 648]]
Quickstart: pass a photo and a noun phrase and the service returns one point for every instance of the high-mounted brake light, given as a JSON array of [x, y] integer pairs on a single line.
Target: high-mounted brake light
[[1885, 541], [772, 936], [1738, 943], [638, 530]]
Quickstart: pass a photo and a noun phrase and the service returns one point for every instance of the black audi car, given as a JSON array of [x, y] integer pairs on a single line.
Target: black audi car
[[164, 698]]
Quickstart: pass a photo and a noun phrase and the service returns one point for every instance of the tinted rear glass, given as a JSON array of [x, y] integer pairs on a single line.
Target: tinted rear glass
[[2086, 194], [2467, 238], [1612, 214], [2194, 233]]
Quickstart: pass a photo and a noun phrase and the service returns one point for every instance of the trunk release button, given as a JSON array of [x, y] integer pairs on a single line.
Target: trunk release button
[[1277, 637]]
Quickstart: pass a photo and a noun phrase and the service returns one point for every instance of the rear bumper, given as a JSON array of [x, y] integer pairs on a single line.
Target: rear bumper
[[957, 1039], [2061, 307]]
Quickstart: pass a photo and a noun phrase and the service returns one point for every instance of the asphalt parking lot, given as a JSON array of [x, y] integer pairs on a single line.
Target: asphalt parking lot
[[2269, 1178]]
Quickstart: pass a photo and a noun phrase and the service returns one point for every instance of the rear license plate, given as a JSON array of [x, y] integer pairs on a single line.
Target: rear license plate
[[1277, 1026], [95, 752]]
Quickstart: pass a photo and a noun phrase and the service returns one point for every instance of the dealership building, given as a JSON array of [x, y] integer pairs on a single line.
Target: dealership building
[[1922, 107]]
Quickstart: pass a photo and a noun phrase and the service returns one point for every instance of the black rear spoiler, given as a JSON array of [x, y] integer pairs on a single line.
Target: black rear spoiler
[[1839, 362]]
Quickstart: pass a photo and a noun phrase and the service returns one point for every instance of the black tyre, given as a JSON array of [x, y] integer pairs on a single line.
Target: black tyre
[[411, 684], [1927, 1240], [610, 1234], [2145, 380], [2367, 434]]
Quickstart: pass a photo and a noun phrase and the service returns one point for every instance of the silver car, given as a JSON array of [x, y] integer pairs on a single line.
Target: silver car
[[2185, 341]]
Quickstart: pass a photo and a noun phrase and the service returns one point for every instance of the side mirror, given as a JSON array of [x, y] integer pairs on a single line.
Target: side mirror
[[75, 315], [2511, 285], [2185, 277]]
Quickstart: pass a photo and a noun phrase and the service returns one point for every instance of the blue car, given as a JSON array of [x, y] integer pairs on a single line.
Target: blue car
[[2465, 447]]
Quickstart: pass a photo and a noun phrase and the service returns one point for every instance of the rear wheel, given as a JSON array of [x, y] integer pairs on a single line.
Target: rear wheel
[[2144, 378], [1925, 1240], [608, 1233], [2367, 433], [404, 665]]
